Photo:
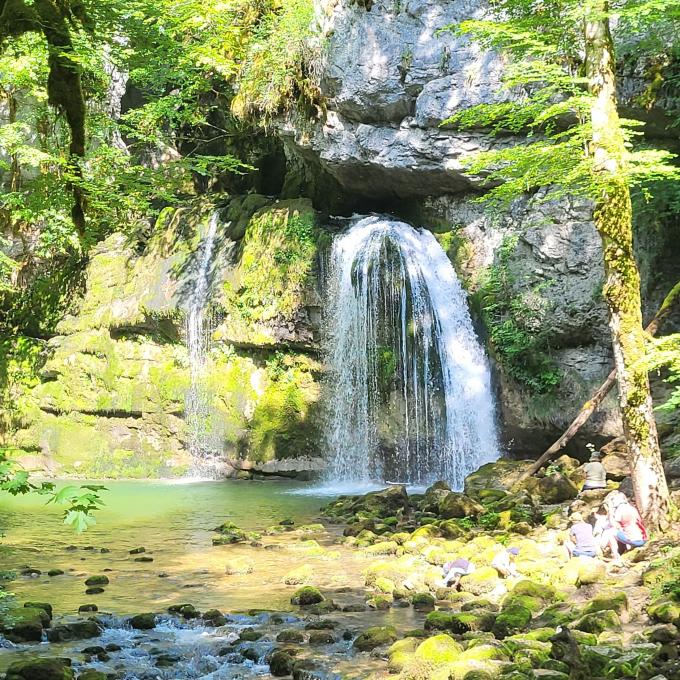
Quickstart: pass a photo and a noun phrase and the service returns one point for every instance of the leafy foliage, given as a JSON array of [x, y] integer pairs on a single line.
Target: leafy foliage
[[515, 324]]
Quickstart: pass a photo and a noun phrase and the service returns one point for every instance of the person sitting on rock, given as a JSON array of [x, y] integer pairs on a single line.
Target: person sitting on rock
[[581, 541], [504, 562], [601, 526], [627, 530], [455, 570], [596, 475]]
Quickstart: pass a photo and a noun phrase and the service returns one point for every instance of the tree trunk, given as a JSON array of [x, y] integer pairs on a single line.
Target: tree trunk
[[603, 390], [613, 219]]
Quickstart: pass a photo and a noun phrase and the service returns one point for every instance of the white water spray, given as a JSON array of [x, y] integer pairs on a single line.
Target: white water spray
[[201, 441], [409, 396]]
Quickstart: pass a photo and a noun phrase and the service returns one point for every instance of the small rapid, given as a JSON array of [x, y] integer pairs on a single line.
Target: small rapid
[[408, 390]]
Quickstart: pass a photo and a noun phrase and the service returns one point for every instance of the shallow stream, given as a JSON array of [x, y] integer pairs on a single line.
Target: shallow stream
[[173, 523]]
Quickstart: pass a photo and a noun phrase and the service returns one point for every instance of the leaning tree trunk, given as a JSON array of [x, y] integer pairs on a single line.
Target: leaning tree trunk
[[613, 219]]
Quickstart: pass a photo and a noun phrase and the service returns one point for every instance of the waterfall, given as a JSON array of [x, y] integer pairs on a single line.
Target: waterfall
[[202, 441], [408, 388]]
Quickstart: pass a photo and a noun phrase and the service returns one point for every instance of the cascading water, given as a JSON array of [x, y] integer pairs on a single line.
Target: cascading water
[[408, 390], [202, 442]]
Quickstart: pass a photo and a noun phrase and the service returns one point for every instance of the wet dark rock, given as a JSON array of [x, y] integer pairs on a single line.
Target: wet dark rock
[[214, 617], [251, 654], [84, 608], [97, 590], [188, 611], [137, 551], [113, 647], [99, 580], [321, 637], [323, 624], [287, 522], [250, 635], [55, 572], [104, 551], [281, 663], [454, 505], [375, 636], [144, 558], [30, 572], [24, 624], [90, 548], [40, 669], [354, 608], [163, 575], [71, 548], [92, 674], [45, 606], [307, 595], [143, 621], [423, 602], [166, 660], [93, 650], [291, 635], [76, 630]]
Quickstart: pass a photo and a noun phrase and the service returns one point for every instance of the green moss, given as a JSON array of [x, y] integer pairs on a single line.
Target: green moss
[[512, 619], [439, 649], [375, 637]]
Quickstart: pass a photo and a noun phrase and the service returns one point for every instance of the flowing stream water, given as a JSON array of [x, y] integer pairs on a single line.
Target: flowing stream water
[[202, 440], [173, 523], [408, 393]]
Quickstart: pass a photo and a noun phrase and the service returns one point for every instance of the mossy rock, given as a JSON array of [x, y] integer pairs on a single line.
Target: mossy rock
[[598, 622], [76, 630], [614, 600], [250, 635], [382, 548], [291, 635], [143, 621], [533, 604], [485, 652], [457, 505], [482, 581], [24, 624], [99, 580], [545, 593], [380, 602], [281, 663], [439, 649], [459, 623], [375, 636], [512, 619], [45, 606], [92, 674], [300, 575], [214, 617], [664, 610], [400, 653], [423, 602], [551, 489], [40, 669], [384, 585], [306, 596], [321, 637], [495, 479], [427, 532]]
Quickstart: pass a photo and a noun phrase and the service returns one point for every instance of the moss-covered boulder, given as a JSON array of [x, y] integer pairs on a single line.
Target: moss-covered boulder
[[24, 624], [499, 476], [598, 622], [143, 621], [439, 649], [40, 669], [99, 580], [400, 653], [482, 581], [306, 596], [457, 505], [614, 600], [75, 630], [551, 489], [300, 575], [376, 636], [281, 663], [513, 618], [664, 610], [92, 674], [291, 635], [423, 602]]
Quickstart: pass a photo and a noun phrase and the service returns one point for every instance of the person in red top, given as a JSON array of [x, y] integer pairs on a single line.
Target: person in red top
[[627, 531]]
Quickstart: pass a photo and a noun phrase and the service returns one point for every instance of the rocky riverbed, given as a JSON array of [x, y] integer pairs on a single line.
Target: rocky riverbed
[[359, 594]]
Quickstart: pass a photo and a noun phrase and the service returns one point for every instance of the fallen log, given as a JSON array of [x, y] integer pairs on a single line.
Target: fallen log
[[594, 402]]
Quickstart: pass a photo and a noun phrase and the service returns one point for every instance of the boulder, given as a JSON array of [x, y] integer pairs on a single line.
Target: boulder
[[40, 669], [615, 459], [291, 635], [664, 610], [307, 595], [377, 636], [76, 630], [321, 637], [499, 476], [423, 602], [143, 621], [551, 489], [99, 580], [598, 622], [214, 617], [400, 653], [92, 674], [513, 619], [281, 663], [24, 624], [480, 582], [457, 505], [439, 649]]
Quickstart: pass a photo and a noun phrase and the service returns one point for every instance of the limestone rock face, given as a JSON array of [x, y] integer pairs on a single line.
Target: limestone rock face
[[112, 393]]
